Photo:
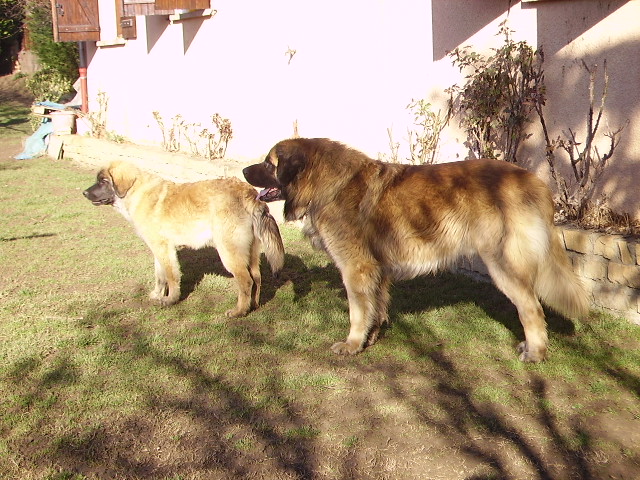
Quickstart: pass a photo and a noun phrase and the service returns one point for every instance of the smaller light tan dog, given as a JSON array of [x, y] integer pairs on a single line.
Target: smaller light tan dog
[[222, 213]]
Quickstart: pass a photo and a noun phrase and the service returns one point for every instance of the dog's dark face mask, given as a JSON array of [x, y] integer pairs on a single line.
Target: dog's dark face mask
[[277, 171], [263, 175], [102, 192]]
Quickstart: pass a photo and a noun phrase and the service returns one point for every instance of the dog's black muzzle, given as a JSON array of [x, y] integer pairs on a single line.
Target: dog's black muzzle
[[100, 194]]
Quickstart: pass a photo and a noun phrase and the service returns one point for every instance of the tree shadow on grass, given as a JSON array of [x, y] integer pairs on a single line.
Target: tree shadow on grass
[[211, 423], [190, 425]]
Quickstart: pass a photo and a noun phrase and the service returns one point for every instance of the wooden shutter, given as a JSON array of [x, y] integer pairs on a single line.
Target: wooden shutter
[[75, 20]]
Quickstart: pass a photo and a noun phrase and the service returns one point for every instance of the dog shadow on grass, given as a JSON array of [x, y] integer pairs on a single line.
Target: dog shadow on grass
[[421, 294], [195, 264], [448, 289], [427, 293]]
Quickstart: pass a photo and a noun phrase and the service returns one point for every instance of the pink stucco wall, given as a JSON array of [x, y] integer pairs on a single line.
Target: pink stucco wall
[[357, 65]]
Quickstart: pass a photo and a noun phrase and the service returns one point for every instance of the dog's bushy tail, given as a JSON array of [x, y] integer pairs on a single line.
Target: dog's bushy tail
[[266, 229], [557, 284]]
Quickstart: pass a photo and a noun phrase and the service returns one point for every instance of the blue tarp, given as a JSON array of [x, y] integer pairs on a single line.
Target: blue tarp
[[36, 144]]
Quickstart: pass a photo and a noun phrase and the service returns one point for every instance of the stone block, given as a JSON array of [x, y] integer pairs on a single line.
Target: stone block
[[594, 267], [615, 297], [578, 240], [628, 275], [627, 252], [607, 246]]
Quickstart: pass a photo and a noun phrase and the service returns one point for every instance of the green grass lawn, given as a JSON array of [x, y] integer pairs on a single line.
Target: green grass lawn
[[14, 120], [97, 382]]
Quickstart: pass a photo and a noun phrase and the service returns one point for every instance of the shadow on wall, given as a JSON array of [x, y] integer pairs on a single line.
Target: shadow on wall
[[568, 24], [455, 22]]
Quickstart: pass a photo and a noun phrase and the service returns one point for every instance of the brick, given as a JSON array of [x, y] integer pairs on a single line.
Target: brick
[[607, 246], [577, 260], [628, 275], [578, 240]]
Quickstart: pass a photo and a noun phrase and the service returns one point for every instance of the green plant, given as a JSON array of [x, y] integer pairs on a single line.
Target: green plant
[[495, 103], [11, 16], [60, 57], [49, 84], [423, 141]]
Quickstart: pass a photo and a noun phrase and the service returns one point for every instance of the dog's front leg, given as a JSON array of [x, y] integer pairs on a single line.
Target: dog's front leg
[[362, 283], [160, 289]]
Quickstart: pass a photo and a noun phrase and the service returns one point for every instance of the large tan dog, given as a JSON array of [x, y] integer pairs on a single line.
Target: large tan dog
[[381, 222], [223, 213]]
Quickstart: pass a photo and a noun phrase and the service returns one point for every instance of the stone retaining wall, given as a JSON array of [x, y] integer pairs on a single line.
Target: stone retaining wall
[[609, 266]]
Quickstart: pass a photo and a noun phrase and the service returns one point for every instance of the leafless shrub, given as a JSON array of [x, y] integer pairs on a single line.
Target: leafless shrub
[[587, 162]]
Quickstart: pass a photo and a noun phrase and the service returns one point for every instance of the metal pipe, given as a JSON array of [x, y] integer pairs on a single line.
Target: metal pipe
[[82, 70]]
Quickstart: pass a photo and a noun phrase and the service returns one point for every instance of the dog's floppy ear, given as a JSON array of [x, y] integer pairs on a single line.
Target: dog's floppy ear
[[122, 178], [291, 160]]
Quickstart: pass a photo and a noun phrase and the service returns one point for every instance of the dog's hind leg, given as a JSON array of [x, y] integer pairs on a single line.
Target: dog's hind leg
[[237, 262], [254, 270], [518, 287], [382, 309], [362, 282]]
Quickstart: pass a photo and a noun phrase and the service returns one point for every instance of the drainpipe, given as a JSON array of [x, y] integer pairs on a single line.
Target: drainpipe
[[82, 70]]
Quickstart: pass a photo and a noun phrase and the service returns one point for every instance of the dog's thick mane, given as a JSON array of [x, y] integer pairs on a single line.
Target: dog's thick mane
[[333, 163]]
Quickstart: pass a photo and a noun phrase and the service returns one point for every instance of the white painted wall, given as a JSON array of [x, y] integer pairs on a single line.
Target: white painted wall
[[356, 67]]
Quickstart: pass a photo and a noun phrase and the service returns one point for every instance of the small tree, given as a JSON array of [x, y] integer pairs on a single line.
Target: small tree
[[496, 102], [208, 143]]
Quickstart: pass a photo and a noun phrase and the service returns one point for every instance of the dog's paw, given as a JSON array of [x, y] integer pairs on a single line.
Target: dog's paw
[[235, 313], [154, 296], [344, 348], [528, 356], [163, 300], [168, 301]]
